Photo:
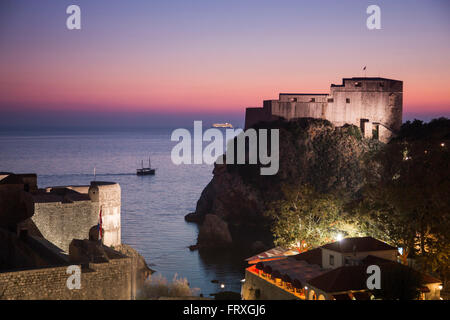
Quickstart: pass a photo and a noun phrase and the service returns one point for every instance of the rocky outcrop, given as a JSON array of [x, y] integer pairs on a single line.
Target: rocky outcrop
[[140, 262], [214, 233], [312, 151], [140, 270]]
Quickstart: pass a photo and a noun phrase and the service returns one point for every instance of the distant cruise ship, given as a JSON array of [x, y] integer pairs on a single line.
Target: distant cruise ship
[[222, 125]]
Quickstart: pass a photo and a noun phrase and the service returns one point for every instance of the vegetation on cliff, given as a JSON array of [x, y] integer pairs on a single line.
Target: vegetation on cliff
[[313, 153], [307, 219], [404, 201], [333, 182]]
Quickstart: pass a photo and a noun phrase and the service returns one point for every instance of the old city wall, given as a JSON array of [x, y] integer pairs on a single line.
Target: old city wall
[[60, 222], [110, 280]]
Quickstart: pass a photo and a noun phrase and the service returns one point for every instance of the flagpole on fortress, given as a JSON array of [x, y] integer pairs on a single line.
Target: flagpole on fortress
[[365, 71]]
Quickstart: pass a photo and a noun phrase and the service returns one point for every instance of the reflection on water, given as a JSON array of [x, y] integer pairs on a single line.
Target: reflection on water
[[153, 207]]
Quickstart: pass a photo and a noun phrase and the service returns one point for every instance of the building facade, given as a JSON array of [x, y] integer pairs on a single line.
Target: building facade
[[336, 271]]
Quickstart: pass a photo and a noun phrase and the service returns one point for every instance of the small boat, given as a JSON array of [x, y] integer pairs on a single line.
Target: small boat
[[145, 171], [222, 125]]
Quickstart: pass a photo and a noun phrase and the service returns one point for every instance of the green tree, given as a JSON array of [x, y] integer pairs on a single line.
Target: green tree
[[308, 217]]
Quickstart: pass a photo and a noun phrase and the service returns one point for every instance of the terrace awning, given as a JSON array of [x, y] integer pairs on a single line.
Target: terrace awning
[[290, 269]]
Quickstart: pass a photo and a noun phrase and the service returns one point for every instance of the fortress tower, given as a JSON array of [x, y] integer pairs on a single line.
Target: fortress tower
[[373, 104]]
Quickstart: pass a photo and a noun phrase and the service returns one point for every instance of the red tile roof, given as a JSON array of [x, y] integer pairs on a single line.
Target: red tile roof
[[348, 278], [313, 256], [341, 279], [363, 244]]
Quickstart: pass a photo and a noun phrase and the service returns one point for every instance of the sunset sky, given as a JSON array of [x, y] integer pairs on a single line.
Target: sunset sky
[[147, 62]]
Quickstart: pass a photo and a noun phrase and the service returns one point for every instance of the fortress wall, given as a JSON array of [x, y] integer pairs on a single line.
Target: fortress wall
[[292, 110], [290, 97], [60, 222], [378, 101], [111, 280], [108, 197], [283, 109], [341, 112], [255, 115], [309, 110]]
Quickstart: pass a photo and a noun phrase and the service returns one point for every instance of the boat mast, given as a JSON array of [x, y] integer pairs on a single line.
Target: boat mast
[[149, 165]]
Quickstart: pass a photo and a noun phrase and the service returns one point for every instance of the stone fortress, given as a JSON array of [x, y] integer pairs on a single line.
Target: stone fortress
[[43, 231], [372, 104], [65, 213]]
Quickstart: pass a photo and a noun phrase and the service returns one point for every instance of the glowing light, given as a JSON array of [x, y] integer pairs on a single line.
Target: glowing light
[[440, 287], [442, 144], [339, 237], [222, 286], [400, 250], [306, 288], [243, 280]]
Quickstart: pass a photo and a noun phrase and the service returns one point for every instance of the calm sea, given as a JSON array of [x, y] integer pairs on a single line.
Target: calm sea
[[153, 207]]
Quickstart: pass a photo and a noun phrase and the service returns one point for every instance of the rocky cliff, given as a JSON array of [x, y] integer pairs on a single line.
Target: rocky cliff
[[312, 151]]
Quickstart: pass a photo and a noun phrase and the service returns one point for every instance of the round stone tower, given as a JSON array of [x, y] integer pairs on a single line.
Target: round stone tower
[[108, 197]]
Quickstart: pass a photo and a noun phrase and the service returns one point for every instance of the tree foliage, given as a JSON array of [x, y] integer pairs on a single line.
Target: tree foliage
[[406, 201], [307, 217]]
